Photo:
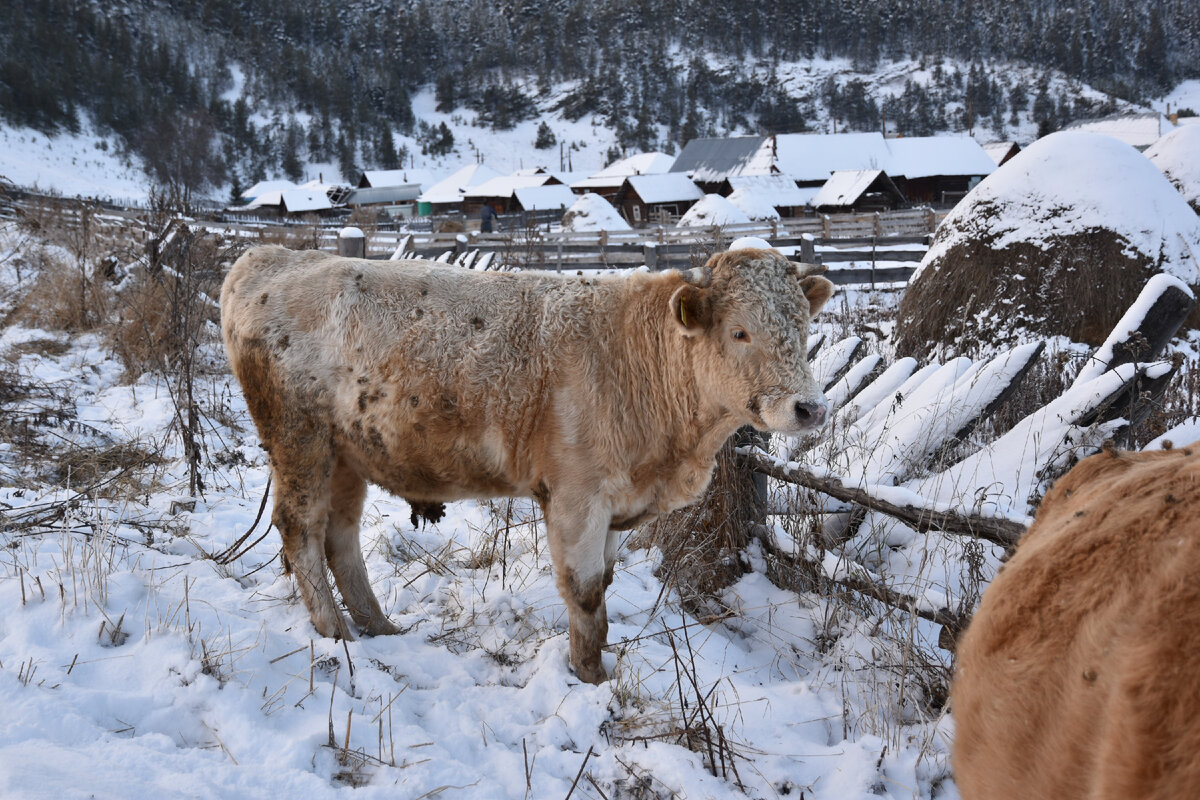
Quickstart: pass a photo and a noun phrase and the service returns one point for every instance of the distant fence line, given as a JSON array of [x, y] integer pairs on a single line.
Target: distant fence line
[[866, 238]]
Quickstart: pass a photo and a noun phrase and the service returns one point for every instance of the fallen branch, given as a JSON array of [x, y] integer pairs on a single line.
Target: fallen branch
[[1001, 531]]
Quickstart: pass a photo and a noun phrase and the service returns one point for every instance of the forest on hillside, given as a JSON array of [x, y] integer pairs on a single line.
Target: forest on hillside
[[158, 74]]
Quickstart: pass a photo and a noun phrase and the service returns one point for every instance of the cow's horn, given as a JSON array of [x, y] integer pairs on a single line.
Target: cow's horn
[[699, 276], [809, 269]]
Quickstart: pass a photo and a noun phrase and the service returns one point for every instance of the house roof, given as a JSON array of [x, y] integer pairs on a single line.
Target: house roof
[[845, 187], [378, 178], [813, 156], [615, 173], [553, 196], [713, 160], [926, 156], [263, 187], [383, 195], [778, 190], [297, 200], [451, 189], [1139, 130], [999, 152], [293, 200], [507, 185], [668, 187]]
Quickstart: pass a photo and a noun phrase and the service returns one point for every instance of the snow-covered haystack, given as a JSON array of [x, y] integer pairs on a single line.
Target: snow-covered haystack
[[753, 204], [591, 212], [712, 209], [1058, 241], [1178, 156]]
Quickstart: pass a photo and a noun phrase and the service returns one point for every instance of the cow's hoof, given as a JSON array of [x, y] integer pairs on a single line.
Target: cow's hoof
[[592, 673], [381, 627]]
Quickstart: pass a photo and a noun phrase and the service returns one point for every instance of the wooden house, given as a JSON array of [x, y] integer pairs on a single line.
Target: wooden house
[[645, 198], [858, 190]]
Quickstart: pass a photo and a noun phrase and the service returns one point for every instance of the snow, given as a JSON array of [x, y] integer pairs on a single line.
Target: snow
[[1137, 130], [925, 156], [1073, 182], [1098, 363], [1177, 154], [996, 151], [505, 185], [755, 206], [614, 174], [591, 212], [537, 198], [712, 209], [1182, 435], [266, 187], [813, 156], [85, 165], [671, 187], [778, 190], [844, 187], [451, 189]]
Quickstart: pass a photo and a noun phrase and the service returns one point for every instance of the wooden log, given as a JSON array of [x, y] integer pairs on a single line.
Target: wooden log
[[999, 530]]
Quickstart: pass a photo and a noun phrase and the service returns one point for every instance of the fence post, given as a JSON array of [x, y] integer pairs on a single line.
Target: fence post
[[930, 220], [352, 243], [826, 226], [650, 252], [808, 249]]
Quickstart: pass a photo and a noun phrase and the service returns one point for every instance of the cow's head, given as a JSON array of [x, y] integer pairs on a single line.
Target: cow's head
[[747, 314]]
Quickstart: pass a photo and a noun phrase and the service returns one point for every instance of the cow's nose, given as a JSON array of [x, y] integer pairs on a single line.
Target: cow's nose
[[810, 415]]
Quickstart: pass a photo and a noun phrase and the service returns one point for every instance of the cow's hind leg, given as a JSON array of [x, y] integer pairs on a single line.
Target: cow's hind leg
[[302, 463], [344, 552], [579, 543]]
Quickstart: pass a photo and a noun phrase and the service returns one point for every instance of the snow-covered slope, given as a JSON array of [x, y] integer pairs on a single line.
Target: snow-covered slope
[[1177, 154]]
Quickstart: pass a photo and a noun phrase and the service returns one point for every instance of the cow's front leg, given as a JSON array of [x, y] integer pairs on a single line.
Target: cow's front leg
[[579, 545]]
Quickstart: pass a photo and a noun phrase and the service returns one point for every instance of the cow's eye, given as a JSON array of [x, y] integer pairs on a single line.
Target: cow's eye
[[739, 335]]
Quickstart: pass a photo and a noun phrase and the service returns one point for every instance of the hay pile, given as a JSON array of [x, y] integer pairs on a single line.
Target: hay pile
[[1057, 242], [591, 212], [1177, 154]]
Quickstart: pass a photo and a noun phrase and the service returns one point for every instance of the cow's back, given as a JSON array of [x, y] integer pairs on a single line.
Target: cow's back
[[1080, 674]]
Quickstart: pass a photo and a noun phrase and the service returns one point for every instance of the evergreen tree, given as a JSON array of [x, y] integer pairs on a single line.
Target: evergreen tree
[[388, 157], [545, 137]]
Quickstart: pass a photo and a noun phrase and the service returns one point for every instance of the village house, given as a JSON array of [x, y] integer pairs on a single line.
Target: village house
[[646, 198], [500, 192], [608, 181], [858, 190], [937, 170], [446, 196]]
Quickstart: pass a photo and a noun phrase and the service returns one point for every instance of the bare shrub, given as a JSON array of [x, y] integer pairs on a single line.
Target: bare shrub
[[63, 296]]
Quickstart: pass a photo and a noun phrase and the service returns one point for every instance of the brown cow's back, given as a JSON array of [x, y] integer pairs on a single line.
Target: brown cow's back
[[1080, 674]]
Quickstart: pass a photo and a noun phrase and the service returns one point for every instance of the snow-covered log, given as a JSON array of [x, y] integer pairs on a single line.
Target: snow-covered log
[[1145, 329], [835, 360]]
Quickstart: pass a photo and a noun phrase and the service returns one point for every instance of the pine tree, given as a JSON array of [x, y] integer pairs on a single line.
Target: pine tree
[[545, 137]]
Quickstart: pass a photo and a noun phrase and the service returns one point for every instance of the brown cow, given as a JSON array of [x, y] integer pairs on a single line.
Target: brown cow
[[1080, 675], [605, 399]]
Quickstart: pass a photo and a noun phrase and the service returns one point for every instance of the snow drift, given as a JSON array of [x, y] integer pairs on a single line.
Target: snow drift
[[591, 212], [712, 209]]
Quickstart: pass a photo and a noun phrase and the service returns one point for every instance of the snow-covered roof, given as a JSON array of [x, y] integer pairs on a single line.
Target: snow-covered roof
[[1073, 182], [844, 187], [264, 187], [713, 160], [591, 212], [1178, 156], [507, 185], [538, 198], [780, 191], [814, 156], [1139, 130], [293, 200], [996, 151], [378, 178], [615, 173], [297, 200], [925, 156], [382, 195], [712, 209], [451, 189], [754, 205], [669, 187]]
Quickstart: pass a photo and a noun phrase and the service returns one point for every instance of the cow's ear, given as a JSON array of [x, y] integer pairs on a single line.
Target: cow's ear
[[818, 290], [691, 308]]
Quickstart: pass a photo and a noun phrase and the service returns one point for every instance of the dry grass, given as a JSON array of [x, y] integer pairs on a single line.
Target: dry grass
[[977, 299], [62, 296]]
